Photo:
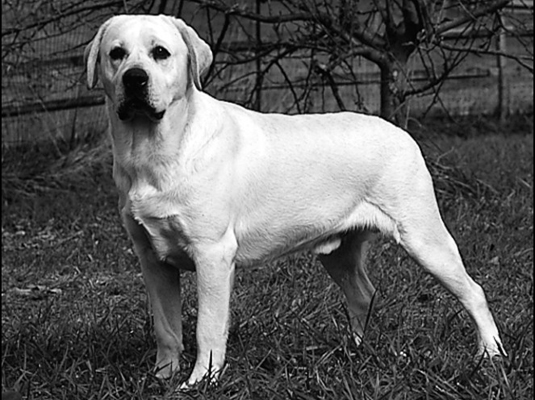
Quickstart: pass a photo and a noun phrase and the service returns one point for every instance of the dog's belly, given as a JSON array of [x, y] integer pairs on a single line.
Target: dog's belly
[[258, 248], [262, 240]]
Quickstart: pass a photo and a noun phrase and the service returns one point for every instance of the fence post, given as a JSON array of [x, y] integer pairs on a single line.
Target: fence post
[[258, 83], [503, 89]]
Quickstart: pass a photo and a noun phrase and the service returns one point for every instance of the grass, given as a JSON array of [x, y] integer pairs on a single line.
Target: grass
[[75, 323]]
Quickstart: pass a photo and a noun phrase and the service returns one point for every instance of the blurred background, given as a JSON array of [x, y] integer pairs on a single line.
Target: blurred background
[[400, 59]]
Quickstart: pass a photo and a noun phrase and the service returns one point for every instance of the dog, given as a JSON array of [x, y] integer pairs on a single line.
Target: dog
[[207, 185]]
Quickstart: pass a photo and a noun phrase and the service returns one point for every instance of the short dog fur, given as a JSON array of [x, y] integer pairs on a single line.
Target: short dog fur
[[206, 185]]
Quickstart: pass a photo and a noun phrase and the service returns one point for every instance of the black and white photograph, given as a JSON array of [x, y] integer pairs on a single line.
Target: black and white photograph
[[267, 199]]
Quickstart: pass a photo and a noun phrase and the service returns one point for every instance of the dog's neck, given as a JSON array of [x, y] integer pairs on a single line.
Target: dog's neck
[[140, 126], [143, 135], [142, 146]]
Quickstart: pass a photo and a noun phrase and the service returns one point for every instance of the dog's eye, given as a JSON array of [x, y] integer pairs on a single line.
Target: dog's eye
[[160, 53], [117, 53]]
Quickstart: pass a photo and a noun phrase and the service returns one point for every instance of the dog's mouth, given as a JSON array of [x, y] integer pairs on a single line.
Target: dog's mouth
[[134, 107]]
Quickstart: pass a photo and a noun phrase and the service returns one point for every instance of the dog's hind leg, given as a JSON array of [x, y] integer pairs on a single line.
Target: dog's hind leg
[[426, 239], [346, 266]]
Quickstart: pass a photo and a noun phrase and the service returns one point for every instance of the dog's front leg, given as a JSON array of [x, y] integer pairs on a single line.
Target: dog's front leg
[[163, 286], [215, 277]]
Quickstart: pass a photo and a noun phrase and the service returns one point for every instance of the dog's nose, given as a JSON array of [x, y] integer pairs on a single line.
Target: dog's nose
[[135, 79]]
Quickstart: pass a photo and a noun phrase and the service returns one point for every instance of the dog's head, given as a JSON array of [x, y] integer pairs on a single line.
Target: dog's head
[[146, 62]]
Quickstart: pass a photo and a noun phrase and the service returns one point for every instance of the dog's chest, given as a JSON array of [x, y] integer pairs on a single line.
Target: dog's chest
[[168, 240], [161, 215]]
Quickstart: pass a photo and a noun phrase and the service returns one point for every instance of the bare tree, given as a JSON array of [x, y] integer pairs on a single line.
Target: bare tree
[[389, 33], [42, 45]]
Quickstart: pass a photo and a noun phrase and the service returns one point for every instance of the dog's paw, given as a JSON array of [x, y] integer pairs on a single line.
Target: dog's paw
[[357, 338], [165, 370], [209, 377], [193, 383], [494, 350]]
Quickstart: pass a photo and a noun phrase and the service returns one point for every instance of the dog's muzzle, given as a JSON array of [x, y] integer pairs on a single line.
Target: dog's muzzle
[[136, 101], [135, 82]]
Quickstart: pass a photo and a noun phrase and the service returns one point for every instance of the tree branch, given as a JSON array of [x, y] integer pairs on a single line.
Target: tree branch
[[318, 17], [519, 59], [446, 26], [61, 16]]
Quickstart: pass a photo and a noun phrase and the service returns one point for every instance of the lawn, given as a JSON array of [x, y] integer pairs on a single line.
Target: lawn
[[75, 322]]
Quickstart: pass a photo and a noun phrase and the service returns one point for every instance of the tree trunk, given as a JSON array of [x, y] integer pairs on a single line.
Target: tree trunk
[[394, 107], [387, 95]]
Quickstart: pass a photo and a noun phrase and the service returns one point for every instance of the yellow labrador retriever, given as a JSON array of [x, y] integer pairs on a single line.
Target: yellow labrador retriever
[[206, 185]]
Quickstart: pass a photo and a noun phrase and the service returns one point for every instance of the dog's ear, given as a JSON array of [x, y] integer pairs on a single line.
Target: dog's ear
[[91, 56], [200, 55]]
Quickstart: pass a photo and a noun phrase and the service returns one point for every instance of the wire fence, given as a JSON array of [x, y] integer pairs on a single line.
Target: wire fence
[[43, 82]]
